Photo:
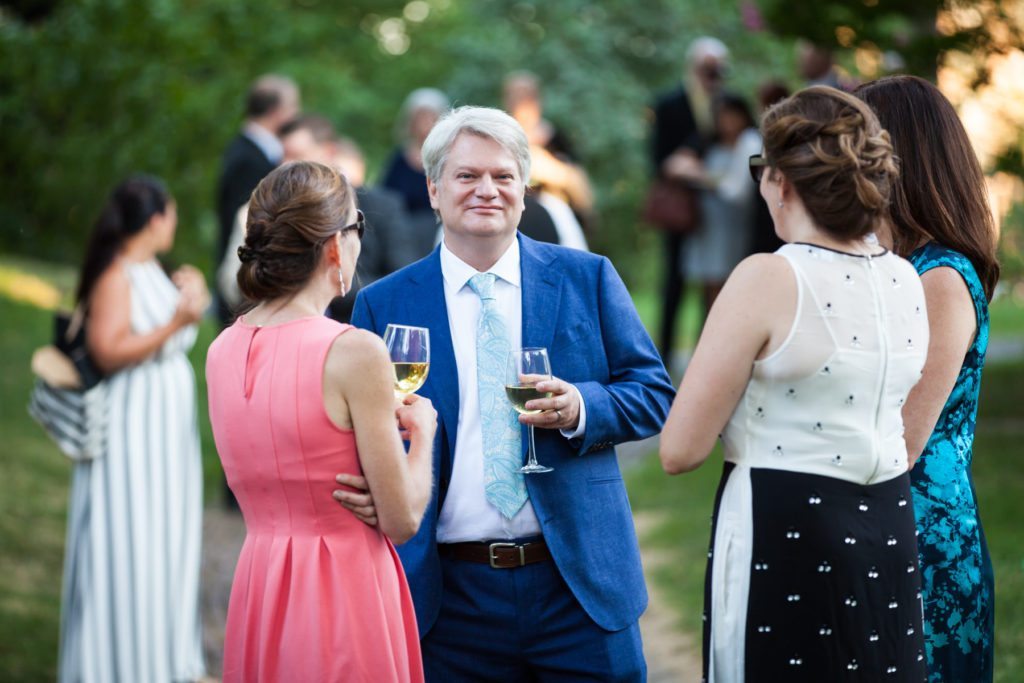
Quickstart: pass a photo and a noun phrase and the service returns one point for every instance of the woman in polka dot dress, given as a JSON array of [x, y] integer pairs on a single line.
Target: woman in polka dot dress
[[803, 368]]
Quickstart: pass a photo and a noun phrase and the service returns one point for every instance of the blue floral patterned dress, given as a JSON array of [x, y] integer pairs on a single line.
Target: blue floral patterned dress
[[957, 577]]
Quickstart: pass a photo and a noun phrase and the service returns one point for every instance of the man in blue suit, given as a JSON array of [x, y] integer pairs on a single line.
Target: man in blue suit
[[521, 577]]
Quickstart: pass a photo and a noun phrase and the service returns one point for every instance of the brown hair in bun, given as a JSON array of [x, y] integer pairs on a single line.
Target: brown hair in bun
[[292, 214], [831, 148]]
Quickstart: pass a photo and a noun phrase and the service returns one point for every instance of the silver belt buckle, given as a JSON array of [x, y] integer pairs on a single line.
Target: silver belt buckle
[[493, 558]]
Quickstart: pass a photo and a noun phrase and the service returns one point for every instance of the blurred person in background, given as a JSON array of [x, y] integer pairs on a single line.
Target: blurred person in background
[[389, 243], [683, 125], [319, 593], [404, 171], [764, 240], [727, 197], [272, 100], [942, 222], [816, 65], [130, 605], [556, 176]]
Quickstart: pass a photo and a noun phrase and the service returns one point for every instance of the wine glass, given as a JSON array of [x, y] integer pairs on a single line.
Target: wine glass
[[527, 367], [409, 348]]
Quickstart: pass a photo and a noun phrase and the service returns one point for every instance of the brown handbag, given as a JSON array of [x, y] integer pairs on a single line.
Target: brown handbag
[[672, 206]]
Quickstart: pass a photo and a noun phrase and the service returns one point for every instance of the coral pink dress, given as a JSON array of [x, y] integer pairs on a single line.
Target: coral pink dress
[[317, 594]]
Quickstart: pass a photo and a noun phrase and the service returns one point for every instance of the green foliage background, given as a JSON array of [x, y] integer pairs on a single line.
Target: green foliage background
[[92, 90], [99, 89]]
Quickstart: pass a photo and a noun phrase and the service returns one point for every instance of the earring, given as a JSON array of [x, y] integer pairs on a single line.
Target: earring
[[780, 203], [341, 282]]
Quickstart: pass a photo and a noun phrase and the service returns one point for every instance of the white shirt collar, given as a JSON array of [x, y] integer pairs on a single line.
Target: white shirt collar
[[456, 272], [268, 143]]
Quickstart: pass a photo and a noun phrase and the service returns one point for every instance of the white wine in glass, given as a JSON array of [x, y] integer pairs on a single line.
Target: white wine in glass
[[527, 367], [520, 394], [409, 348]]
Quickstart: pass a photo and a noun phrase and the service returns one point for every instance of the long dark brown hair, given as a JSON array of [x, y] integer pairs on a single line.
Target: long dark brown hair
[[940, 195], [128, 210]]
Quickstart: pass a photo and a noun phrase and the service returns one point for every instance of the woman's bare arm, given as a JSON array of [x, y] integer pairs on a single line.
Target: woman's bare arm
[[755, 309], [109, 336], [359, 371], [952, 325]]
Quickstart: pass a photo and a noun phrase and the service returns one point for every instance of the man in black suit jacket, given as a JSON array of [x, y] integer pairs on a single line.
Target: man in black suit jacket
[[683, 124], [252, 154]]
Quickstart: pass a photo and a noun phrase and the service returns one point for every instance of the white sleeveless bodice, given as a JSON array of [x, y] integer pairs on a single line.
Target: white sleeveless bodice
[[828, 401]]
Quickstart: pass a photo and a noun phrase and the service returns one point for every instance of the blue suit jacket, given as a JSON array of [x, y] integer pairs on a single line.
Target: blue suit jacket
[[575, 304]]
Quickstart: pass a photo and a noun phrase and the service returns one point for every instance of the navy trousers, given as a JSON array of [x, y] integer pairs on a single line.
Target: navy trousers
[[522, 624]]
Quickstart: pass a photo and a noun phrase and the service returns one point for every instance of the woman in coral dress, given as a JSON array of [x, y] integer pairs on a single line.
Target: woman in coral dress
[[295, 397]]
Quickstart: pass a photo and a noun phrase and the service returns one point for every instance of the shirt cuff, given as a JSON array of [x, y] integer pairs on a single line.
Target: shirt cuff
[[581, 428]]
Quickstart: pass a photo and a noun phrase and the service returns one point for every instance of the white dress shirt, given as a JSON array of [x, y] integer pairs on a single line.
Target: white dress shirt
[[466, 514], [268, 143]]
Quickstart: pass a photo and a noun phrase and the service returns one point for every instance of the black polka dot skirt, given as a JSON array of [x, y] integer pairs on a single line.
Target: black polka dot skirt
[[834, 587]]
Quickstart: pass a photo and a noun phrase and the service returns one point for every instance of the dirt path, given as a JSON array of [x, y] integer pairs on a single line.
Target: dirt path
[[673, 655]]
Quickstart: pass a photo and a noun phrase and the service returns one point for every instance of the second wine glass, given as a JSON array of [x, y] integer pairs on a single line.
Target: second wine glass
[[527, 367], [409, 348]]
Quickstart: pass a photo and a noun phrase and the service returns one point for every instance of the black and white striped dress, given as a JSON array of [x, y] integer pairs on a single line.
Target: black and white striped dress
[[131, 574]]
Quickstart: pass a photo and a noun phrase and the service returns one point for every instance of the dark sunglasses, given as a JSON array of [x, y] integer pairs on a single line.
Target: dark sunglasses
[[757, 165], [359, 226]]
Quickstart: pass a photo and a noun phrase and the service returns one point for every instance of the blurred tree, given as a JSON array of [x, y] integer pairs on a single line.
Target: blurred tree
[[911, 34], [96, 89], [973, 49]]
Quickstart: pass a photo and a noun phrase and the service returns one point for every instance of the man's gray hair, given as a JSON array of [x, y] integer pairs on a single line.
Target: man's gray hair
[[430, 99], [707, 46], [484, 122]]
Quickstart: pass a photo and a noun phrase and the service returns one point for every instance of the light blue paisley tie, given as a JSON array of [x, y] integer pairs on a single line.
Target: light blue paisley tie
[[504, 485]]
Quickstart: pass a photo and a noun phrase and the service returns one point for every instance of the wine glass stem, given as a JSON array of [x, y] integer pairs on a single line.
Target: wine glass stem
[[532, 458]]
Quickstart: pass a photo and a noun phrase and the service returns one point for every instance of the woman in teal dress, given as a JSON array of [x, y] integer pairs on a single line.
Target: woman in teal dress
[[942, 223]]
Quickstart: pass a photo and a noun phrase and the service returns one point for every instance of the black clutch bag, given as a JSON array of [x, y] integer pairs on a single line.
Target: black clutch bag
[[69, 338]]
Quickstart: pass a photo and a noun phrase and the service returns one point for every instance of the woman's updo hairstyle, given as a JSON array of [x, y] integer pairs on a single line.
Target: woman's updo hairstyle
[[292, 214], [832, 149]]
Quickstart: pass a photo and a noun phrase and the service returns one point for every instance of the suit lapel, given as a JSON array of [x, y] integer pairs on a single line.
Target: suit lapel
[[541, 290], [431, 311], [542, 296]]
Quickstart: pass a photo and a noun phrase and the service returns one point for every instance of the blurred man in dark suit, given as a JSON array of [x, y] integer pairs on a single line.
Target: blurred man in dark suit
[[252, 154]]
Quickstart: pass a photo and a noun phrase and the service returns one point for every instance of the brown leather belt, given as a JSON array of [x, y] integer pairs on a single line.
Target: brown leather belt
[[500, 555]]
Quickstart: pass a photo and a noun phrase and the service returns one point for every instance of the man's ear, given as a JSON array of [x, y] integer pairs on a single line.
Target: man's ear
[[432, 191]]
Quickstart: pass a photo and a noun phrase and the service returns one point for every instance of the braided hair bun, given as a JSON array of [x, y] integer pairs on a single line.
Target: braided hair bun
[[831, 148], [292, 214]]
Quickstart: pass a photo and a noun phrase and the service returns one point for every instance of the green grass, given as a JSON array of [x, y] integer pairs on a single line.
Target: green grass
[[684, 504], [1007, 317], [33, 503]]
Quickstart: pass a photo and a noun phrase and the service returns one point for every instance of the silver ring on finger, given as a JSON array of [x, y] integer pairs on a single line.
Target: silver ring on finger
[[558, 413]]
